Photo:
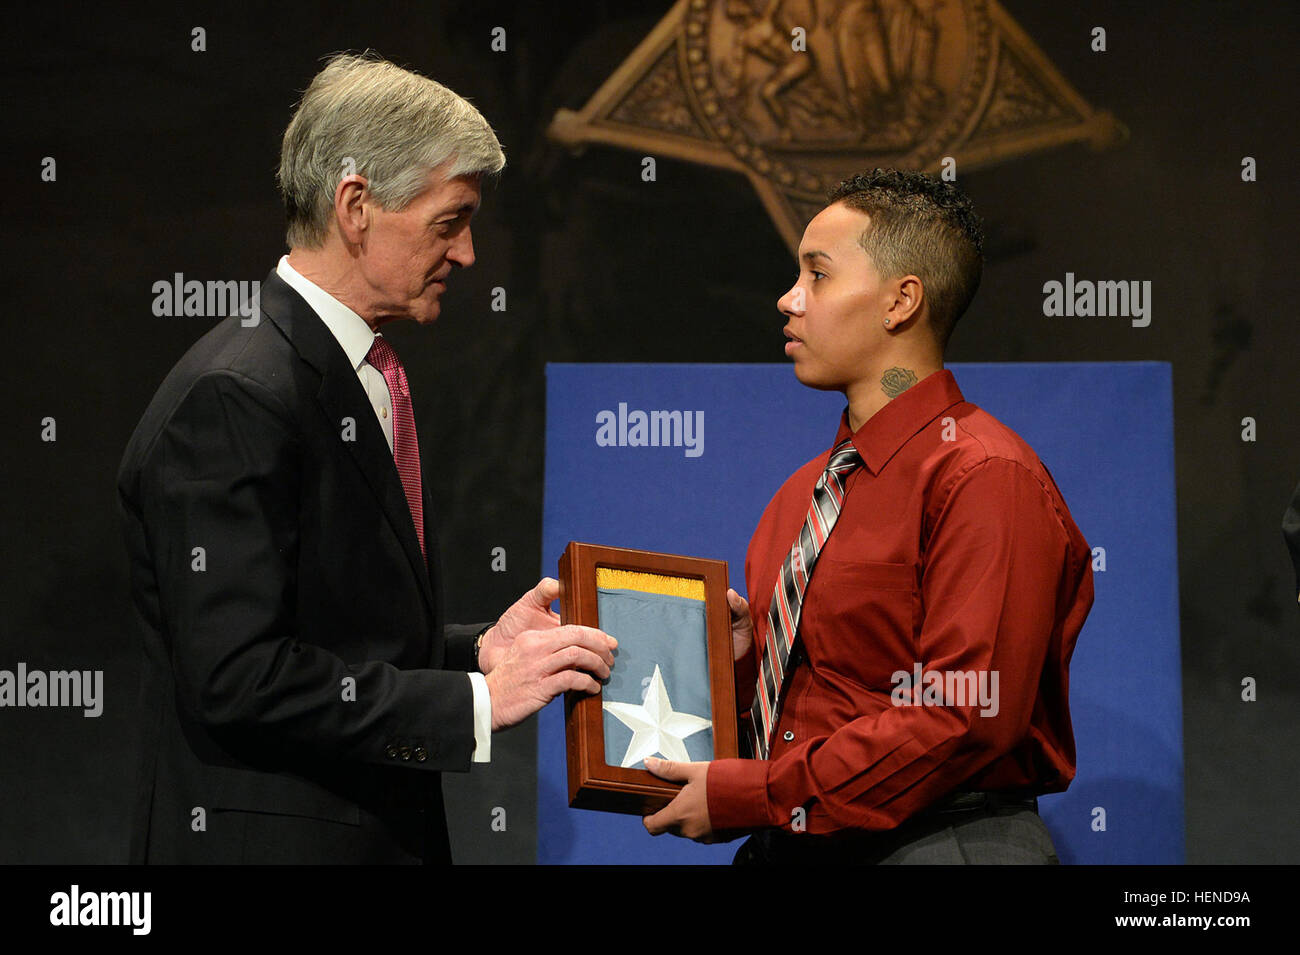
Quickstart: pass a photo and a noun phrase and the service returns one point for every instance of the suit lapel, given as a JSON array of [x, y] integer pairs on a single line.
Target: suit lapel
[[341, 396]]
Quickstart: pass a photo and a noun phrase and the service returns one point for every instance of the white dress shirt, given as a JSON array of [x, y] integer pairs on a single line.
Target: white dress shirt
[[355, 337]]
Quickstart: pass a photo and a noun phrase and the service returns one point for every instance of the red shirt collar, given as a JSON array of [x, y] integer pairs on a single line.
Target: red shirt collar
[[888, 429]]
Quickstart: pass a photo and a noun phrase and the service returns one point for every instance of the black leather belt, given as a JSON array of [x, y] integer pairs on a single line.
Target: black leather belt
[[857, 846], [981, 800]]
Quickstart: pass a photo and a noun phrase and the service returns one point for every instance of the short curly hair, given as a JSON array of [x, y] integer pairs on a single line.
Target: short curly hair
[[921, 226]]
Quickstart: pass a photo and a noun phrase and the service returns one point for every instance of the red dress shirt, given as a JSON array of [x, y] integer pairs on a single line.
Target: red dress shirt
[[953, 551]]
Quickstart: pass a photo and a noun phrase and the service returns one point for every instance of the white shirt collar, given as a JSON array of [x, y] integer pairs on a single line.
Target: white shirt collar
[[349, 328]]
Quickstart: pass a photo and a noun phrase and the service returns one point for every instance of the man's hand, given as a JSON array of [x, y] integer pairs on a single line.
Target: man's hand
[[742, 627], [541, 664], [688, 814], [532, 611]]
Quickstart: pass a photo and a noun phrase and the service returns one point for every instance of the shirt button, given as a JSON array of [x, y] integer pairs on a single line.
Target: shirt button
[[383, 412], [788, 735]]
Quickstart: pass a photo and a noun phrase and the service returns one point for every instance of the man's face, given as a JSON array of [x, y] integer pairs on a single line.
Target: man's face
[[837, 308], [406, 257]]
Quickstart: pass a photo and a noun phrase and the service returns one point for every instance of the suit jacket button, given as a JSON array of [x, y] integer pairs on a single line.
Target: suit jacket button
[[405, 752], [421, 754], [788, 735], [391, 751]]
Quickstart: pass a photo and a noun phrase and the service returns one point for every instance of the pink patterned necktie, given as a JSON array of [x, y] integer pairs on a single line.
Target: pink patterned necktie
[[406, 447]]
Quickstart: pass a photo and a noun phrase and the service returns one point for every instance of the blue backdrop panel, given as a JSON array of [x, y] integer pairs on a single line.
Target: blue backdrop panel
[[1105, 430]]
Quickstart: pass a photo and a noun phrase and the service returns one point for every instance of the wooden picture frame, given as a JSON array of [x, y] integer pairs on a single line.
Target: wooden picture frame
[[593, 782]]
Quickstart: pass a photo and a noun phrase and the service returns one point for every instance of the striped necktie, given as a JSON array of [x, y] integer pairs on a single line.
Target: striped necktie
[[406, 447], [787, 599]]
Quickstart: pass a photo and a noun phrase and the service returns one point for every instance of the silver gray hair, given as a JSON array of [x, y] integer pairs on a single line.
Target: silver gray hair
[[366, 115]]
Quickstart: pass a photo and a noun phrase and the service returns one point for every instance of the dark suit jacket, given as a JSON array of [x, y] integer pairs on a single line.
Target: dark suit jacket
[[298, 695]]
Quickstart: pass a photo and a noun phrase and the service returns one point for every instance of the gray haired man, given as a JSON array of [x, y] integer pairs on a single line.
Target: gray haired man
[[301, 695]]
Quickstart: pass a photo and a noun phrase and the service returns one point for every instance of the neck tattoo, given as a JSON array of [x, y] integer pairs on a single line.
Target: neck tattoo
[[896, 380]]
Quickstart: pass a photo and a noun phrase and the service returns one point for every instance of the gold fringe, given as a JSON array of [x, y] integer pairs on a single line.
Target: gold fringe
[[650, 583]]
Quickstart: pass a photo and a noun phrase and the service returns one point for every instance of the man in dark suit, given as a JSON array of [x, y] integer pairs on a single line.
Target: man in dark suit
[[300, 693]]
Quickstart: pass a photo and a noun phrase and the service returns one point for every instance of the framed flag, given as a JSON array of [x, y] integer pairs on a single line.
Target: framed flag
[[671, 692]]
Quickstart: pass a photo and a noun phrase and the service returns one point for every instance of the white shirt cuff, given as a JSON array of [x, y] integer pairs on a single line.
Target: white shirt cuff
[[482, 718]]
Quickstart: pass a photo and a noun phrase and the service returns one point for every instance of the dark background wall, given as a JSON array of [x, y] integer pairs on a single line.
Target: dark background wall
[[166, 161]]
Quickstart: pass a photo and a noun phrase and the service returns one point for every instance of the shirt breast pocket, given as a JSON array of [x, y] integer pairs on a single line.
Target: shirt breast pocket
[[859, 618]]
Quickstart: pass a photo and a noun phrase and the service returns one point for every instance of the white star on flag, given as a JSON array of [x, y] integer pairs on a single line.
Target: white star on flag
[[655, 727]]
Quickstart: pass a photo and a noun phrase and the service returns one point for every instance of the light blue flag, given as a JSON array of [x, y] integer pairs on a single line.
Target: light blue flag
[[657, 700]]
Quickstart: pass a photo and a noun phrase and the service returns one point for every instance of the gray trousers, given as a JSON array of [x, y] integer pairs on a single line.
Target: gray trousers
[[1007, 835]]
